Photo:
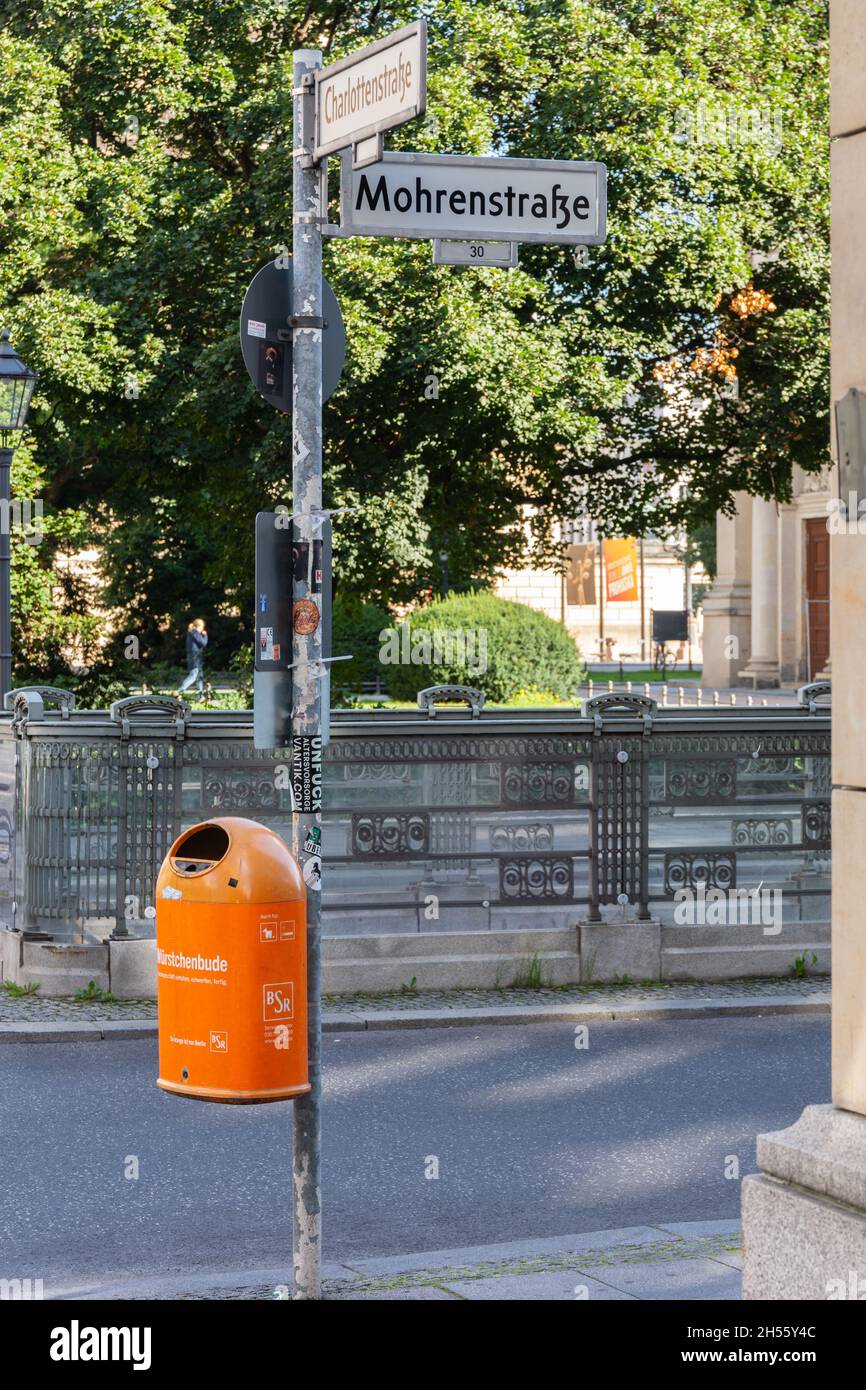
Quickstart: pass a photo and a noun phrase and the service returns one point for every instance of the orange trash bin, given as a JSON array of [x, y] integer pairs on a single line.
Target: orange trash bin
[[232, 965]]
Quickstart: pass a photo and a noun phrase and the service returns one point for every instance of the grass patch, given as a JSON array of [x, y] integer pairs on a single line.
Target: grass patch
[[92, 994], [15, 991]]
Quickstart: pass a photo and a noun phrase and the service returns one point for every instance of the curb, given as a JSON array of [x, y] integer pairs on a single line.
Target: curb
[[110, 1029], [385, 1020], [588, 1253]]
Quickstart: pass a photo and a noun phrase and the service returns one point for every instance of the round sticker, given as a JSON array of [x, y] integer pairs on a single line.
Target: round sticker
[[312, 871], [305, 616]]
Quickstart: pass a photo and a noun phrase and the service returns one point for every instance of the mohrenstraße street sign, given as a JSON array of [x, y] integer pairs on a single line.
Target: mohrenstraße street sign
[[475, 198], [371, 91]]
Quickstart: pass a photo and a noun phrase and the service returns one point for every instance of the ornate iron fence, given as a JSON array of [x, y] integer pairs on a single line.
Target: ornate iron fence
[[436, 820]]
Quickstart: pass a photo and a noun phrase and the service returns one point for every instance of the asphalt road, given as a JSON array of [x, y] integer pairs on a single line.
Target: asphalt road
[[532, 1136]]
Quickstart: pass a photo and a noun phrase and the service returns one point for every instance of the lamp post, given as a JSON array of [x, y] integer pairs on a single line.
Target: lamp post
[[446, 583], [16, 388]]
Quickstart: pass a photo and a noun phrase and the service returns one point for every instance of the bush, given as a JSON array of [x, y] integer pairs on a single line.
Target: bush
[[520, 648], [241, 666], [356, 628]]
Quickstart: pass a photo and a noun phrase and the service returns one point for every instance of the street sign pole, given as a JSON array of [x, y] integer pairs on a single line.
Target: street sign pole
[[307, 651], [480, 202]]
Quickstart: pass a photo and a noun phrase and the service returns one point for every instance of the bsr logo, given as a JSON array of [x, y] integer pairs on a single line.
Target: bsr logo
[[279, 1001]]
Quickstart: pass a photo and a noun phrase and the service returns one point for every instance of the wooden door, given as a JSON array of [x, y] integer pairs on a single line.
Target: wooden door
[[818, 593]]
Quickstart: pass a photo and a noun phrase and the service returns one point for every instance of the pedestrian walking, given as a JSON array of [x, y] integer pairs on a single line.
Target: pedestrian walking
[[196, 641]]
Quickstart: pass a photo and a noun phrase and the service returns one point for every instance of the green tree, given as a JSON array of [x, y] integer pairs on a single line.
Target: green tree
[[145, 175], [51, 620]]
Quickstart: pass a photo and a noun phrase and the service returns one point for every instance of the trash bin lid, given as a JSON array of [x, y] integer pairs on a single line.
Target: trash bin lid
[[230, 860]]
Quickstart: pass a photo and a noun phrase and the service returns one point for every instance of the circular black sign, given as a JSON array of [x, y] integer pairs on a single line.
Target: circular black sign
[[266, 336]]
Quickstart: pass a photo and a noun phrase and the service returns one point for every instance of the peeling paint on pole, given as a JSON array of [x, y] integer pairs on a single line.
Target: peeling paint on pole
[[307, 650]]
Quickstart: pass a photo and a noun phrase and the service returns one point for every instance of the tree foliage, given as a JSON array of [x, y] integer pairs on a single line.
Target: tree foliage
[[145, 176]]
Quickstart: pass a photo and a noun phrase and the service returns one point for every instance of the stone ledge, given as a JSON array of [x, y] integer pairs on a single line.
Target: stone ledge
[[797, 1245], [611, 951], [824, 1152]]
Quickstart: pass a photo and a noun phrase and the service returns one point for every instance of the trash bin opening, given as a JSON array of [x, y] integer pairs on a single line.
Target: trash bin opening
[[201, 849]]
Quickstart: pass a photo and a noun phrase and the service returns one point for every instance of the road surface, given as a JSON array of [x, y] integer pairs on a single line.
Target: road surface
[[531, 1137]]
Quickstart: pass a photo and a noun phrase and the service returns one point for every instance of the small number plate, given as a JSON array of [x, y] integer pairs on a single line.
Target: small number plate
[[498, 253]]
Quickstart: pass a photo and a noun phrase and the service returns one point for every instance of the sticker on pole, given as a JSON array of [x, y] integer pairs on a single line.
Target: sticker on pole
[[305, 617], [312, 871], [307, 772]]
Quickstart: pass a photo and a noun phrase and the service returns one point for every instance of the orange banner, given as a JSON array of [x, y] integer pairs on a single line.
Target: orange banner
[[620, 568]]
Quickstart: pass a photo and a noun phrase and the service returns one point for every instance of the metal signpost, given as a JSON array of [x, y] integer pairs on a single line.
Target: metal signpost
[[307, 324], [475, 210]]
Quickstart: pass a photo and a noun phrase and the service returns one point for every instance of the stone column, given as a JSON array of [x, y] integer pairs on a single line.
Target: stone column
[[727, 608], [763, 667], [804, 1214], [792, 610]]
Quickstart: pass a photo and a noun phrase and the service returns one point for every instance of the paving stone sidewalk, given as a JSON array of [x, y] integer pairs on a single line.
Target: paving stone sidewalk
[[436, 1000], [32, 1013], [33, 1010], [681, 1260]]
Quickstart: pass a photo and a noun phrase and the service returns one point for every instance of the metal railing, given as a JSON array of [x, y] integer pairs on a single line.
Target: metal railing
[[441, 819]]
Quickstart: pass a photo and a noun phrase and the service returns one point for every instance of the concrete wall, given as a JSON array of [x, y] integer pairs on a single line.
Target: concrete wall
[[586, 953], [848, 555]]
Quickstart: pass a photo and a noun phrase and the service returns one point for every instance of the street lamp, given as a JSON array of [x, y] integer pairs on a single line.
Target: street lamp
[[16, 387], [446, 583]]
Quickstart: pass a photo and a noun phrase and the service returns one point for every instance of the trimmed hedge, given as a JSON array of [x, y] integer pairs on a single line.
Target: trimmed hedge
[[453, 638], [356, 628]]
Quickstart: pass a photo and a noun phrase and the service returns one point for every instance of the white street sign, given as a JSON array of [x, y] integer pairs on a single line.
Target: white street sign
[[371, 91], [464, 197], [499, 253]]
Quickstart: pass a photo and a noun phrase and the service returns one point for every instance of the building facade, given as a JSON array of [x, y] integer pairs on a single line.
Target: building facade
[[766, 617], [607, 629]]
